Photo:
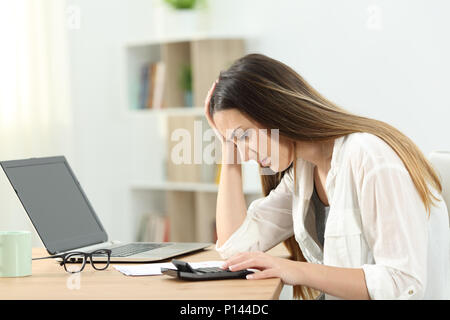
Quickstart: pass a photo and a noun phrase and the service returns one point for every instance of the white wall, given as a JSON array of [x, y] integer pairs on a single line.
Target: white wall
[[398, 74], [101, 135]]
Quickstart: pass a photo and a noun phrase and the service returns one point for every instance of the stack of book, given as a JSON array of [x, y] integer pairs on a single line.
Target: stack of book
[[152, 86], [154, 228]]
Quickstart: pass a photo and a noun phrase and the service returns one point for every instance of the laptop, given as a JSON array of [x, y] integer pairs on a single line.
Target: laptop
[[66, 221]]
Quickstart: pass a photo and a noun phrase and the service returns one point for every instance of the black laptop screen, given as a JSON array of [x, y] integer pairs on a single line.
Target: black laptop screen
[[55, 203]]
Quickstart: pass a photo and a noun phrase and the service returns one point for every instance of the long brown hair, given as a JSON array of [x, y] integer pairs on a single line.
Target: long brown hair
[[276, 96]]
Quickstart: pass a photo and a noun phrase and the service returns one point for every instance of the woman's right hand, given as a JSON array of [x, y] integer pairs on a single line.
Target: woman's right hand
[[208, 115], [230, 153]]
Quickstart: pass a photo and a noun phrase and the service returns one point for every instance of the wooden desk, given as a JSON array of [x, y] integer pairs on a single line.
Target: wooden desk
[[50, 281]]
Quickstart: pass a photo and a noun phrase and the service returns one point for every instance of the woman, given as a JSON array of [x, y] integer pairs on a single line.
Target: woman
[[356, 203]]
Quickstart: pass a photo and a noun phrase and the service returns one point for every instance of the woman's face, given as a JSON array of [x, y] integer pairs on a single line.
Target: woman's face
[[254, 142]]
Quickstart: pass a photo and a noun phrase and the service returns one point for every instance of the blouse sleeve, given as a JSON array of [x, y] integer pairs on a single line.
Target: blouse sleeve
[[395, 227], [267, 223]]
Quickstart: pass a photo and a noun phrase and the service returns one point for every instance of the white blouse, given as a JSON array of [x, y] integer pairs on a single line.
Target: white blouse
[[376, 222]]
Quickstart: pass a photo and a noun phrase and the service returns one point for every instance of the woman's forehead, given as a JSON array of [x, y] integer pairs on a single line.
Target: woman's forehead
[[231, 119]]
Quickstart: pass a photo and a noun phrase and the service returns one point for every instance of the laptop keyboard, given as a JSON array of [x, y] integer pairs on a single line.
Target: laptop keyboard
[[135, 248]]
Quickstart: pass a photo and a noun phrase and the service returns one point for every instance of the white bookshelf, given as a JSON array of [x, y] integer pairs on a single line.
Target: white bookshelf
[[191, 202], [186, 186]]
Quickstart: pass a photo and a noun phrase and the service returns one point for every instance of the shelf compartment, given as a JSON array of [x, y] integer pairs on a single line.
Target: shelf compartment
[[185, 186]]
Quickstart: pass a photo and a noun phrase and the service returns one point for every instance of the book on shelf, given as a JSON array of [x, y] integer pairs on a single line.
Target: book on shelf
[[158, 89], [152, 85], [154, 228], [143, 87]]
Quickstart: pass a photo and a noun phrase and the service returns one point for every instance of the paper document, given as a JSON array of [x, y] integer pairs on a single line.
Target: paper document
[[152, 269]]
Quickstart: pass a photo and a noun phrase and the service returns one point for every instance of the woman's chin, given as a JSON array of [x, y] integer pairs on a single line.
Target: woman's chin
[[273, 168], [278, 168]]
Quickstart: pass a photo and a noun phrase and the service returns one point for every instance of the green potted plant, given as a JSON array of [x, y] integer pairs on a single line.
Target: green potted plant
[[186, 84], [181, 4]]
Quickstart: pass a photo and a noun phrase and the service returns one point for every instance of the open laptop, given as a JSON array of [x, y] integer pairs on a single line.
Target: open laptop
[[64, 218]]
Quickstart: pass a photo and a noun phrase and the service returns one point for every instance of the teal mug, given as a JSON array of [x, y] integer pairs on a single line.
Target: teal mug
[[15, 253]]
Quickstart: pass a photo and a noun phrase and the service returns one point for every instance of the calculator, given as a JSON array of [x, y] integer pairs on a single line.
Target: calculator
[[184, 271]]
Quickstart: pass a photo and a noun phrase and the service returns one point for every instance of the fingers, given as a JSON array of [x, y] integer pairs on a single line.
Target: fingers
[[235, 259], [208, 96], [208, 115], [207, 100], [268, 273], [248, 260], [252, 263], [253, 260]]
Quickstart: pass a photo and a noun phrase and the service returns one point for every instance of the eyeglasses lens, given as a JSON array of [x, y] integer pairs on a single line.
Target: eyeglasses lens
[[100, 259], [74, 262]]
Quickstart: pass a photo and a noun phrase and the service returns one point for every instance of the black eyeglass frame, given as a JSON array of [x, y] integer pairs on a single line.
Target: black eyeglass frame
[[84, 255]]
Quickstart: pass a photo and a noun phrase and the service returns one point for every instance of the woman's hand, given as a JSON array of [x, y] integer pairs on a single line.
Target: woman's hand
[[208, 115], [230, 153], [290, 272]]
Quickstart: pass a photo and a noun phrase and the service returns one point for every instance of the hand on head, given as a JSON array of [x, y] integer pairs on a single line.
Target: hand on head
[[207, 114]]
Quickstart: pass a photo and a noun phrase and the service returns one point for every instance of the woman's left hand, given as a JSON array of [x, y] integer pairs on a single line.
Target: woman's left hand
[[271, 267]]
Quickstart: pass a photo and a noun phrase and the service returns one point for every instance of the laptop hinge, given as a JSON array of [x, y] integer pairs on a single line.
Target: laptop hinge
[[95, 246]]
